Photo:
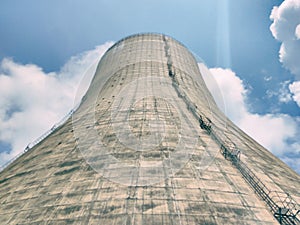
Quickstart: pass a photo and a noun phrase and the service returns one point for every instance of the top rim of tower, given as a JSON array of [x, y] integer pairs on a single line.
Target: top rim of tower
[[155, 34]]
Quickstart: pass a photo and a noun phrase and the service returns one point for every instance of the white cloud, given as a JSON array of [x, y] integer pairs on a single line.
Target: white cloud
[[267, 78], [286, 29], [297, 32], [276, 132], [295, 89], [32, 101], [233, 92], [284, 94]]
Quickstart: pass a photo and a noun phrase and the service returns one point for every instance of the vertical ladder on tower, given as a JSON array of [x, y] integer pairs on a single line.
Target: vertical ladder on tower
[[281, 204], [284, 209]]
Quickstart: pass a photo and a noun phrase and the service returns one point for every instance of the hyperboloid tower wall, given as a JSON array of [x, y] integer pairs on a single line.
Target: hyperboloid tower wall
[[148, 145]]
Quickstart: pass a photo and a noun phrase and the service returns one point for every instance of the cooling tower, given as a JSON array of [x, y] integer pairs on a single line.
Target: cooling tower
[[148, 145]]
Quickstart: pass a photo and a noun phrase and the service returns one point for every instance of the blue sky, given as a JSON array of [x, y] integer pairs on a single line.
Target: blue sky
[[46, 46]]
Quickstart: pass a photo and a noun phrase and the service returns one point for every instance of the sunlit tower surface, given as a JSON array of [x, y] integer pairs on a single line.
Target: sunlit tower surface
[[148, 145]]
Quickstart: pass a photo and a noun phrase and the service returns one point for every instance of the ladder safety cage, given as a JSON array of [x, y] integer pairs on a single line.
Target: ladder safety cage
[[284, 208]]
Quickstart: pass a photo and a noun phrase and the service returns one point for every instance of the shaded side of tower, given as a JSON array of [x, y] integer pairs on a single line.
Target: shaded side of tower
[[87, 172]]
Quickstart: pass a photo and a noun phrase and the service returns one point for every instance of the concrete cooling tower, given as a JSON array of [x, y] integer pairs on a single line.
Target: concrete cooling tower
[[148, 145]]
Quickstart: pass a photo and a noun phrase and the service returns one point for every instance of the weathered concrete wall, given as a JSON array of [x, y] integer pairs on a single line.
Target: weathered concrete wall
[[134, 152]]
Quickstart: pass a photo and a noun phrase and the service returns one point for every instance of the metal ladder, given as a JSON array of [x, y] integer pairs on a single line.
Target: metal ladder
[[285, 209], [282, 205]]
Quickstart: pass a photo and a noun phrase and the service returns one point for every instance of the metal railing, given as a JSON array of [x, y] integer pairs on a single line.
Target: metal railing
[[284, 208], [40, 138]]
